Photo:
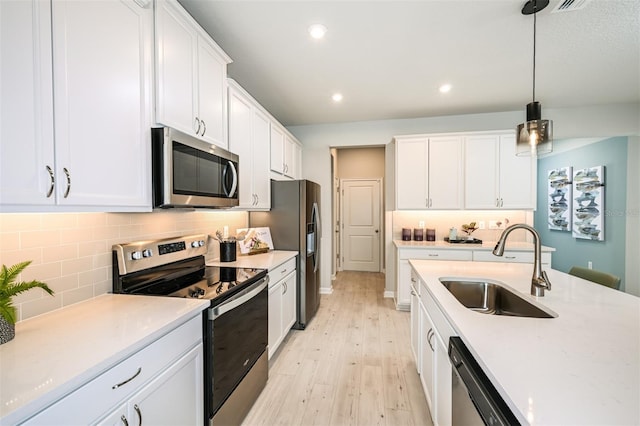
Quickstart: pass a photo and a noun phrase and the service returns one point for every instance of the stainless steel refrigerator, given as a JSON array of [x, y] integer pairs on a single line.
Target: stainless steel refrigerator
[[294, 221]]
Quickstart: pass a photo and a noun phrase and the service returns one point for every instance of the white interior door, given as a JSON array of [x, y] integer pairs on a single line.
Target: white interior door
[[361, 225]]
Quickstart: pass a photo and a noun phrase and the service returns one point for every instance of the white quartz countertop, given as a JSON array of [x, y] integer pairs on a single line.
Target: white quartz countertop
[[54, 353], [486, 245], [267, 260], [581, 368]]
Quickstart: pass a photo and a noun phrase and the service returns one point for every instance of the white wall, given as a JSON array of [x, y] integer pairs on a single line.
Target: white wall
[[585, 122]]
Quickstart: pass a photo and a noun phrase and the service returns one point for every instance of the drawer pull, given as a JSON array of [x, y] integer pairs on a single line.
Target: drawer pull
[[283, 271], [510, 257], [116, 386], [413, 280], [135, 407], [124, 420], [433, 255]]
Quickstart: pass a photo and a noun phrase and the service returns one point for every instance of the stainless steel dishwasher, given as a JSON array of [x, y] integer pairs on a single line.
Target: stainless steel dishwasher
[[475, 401]]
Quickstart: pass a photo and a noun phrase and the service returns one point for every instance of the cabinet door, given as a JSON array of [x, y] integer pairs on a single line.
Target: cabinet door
[[445, 173], [442, 384], [176, 68], [240, 112], [411, 173], [277, 149], [212, 105], [288, 303], [176, 397], [260, 169], [26, 104], [289, 166], [481, 172], [427, 359], [102, 81], [275, 317], [517, 177], [403, 292], [415, 328]]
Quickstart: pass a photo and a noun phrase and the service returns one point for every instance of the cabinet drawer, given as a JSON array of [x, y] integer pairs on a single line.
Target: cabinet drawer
[[279, 272], [444, 329], [97, 397], [435, 254], [510, 256]]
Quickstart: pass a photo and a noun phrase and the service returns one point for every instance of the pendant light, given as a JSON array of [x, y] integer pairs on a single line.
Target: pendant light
[[535, 136]]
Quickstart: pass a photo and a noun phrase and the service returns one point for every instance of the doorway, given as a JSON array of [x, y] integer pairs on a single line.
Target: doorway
[[358, 209]]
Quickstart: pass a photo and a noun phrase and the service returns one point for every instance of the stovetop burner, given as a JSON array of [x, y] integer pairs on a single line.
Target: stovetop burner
[[220, 282]]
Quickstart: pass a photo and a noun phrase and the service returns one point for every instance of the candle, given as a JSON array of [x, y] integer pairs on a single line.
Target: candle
[[225, 232]]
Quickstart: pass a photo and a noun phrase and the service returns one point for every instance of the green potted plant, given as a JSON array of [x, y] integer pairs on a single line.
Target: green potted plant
[[9, 288]]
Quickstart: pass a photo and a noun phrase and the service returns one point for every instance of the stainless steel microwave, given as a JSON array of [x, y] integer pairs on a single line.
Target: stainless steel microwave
[[187, 172]]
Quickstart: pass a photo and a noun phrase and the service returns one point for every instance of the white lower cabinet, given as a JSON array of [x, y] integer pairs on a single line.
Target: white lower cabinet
[[434, 364], [175, 388], [282, 303], [160, 384]]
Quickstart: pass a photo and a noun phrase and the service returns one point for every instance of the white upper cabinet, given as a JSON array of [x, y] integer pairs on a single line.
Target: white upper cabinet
[[285, 153], [249, 133], [89, 149], [429, 172], [495, 177], [191, 74], [27, 165]]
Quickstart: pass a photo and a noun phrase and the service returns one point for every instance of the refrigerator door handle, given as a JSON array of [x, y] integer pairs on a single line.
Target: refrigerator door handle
[[315, 219]]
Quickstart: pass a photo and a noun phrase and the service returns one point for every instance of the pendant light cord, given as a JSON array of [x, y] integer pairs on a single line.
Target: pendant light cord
[[535, 13]]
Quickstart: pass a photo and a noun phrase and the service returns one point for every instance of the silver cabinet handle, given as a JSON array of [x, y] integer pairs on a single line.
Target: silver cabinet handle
[[433, 255], [53, 181], [501, 202], [284, 287], [66, 172], [509, 257], [197, 123], [135, 407], [413, 280], [116, 386], [124, 420], [204, 127], [429, 335], [430, 202], [284, 271], [413, 293]]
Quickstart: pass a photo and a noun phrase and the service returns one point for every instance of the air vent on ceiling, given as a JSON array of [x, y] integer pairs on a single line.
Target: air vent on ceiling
[[570, 5]]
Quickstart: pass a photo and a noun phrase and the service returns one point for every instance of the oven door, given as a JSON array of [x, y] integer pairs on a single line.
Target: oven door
[[188, 172], [236, 337]]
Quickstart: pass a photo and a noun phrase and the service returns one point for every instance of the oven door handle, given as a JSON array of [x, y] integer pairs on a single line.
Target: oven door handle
[[238, 299]]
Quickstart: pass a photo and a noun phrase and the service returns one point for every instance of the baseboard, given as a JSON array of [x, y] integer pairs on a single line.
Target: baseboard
[[389, 294], [324, 290]]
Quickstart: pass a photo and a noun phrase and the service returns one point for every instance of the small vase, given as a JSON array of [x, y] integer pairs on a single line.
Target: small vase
[[7, 331]]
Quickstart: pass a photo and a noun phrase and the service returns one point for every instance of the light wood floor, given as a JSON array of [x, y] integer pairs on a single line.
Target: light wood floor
[[351, 366]]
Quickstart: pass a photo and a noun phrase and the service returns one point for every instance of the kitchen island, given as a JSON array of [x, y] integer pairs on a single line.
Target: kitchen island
[[581, 367]]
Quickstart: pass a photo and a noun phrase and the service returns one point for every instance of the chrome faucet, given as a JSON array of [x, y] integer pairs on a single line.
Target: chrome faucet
[[540, 280]]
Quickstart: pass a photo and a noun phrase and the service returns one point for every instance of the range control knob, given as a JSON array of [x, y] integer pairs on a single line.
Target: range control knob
[[196, 244], [196, 293], [147, 253], [136, 255]]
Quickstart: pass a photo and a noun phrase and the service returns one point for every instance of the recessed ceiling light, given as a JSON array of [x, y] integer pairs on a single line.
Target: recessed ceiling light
[[337, 97], [317, 31], [445, 88]]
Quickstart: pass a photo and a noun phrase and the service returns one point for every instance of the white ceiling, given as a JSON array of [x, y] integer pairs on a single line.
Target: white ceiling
[[388, 58]]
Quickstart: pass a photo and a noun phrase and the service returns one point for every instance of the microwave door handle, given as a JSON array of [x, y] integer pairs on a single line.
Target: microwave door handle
[[234, 185]]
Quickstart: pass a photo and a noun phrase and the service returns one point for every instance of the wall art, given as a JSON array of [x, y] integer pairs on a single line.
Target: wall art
[[560, 190], [588, 203]]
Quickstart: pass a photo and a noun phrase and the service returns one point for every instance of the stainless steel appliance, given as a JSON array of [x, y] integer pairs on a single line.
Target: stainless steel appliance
[[475, 401], [294, 221], [187, 172], [235, 325]]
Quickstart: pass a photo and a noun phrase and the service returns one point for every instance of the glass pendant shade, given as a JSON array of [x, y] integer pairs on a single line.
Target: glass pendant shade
[[535, 136]]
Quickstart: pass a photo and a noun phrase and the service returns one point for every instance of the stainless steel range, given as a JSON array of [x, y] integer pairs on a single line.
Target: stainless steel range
[[235, 325]]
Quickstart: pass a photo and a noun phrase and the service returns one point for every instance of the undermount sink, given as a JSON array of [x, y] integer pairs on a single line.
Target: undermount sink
[[492, 299]]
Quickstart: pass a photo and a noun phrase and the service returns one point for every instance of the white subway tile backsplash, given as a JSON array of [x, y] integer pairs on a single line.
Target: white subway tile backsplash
[[71, 252]]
